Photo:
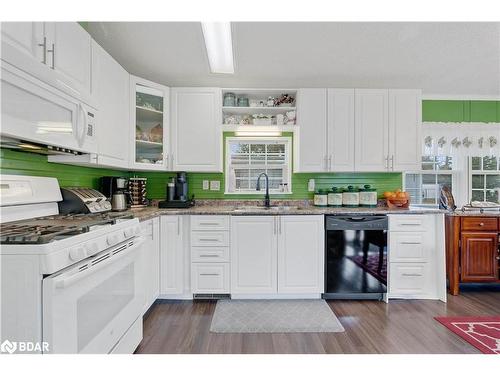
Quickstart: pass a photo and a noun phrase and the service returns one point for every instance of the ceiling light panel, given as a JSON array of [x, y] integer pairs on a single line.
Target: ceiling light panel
[[219, 44]]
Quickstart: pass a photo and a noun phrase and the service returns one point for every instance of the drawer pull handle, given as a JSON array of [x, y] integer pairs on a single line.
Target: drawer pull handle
[[412, 274], [209, 256], [481, 224], [209, 274], [410, 224], [207, 223], [411, 243], [209, 239]]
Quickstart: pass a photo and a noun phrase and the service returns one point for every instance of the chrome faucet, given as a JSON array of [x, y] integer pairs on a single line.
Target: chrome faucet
[[267, 200]]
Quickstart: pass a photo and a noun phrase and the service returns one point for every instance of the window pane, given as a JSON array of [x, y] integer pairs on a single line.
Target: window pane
[[427, 166], [490, 163], [241, 184], [258, 148], [412, 181], [444, 163], [492, 196], [428, 179], [276, 148], [444, 179], [240, 159], [275, 173], [257, 158], [239, 148], [493, 181], [478, 181], [476, 163], [241, 173], [415, 196], [254, 173], [478, 195]]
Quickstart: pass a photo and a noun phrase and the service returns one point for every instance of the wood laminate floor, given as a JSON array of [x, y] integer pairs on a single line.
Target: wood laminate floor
[[370, 327]]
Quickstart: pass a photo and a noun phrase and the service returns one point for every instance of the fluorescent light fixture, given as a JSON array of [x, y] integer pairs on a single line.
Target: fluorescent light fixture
[[219, 44], [257, 131]]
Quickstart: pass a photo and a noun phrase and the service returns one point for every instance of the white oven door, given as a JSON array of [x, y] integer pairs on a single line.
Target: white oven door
[[88, 307]]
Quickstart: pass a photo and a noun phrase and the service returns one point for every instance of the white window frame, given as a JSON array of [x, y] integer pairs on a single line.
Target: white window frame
[[480, 172], [256, 139], [454, 183]]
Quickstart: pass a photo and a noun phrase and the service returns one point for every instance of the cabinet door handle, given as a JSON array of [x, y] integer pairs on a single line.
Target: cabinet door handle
[[392, 162], [53, 52], [274, 225], [330, 163], [178, 226], [209, 256], [44, 49], [411, 274], [387, 162], [172, 162], [410, 224], [326, 162], [411, 243], [207, 223], [166, 161], [209, 274], [208, 240]]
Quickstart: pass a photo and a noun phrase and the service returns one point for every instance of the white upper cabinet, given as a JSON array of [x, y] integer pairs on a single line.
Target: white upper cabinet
[[22, 43], [58, 53], [254, 249], [405, 129], [371, 129], [110, 84], [310, 150], [196, 129], [149, 131], [69, 54], [341, 130], [301, 254]]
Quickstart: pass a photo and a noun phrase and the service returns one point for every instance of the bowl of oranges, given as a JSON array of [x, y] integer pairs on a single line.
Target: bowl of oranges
[[397, 199]]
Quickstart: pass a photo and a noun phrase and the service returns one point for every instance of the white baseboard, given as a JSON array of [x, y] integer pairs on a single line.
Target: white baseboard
[[277, 296]]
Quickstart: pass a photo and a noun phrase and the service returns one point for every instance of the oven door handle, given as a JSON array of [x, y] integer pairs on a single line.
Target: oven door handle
[[67, 281]]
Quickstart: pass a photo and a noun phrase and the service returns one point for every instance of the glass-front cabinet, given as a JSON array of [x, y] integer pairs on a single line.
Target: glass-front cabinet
[[150, 140]]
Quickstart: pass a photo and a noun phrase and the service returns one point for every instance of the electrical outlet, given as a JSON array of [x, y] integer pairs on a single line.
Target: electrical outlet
[[215, 185], [311, 185], [205, 185]]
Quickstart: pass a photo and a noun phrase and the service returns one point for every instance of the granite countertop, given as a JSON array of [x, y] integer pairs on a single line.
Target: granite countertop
[[475, 213], [242, 210]]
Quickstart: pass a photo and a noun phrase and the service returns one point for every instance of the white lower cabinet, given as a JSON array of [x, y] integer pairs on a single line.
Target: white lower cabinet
[[277, 254], [301, 254], [254, 254], [416, 256], [171, 256], [150, 230], [210, 268]]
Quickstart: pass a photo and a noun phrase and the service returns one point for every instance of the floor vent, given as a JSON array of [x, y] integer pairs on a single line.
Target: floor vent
[[205, 296]]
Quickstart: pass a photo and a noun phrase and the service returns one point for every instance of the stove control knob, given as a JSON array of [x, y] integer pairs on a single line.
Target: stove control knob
[[92, 248], [128, 232], [77, 253]]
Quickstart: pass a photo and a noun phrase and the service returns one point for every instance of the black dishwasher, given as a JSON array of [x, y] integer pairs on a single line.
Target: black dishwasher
[[356, 257]]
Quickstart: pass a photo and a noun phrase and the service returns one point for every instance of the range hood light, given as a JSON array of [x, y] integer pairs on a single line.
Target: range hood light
[[219, 44]]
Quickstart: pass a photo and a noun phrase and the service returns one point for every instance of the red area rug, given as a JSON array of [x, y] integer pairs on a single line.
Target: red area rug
[[482, 332], [371, 266]]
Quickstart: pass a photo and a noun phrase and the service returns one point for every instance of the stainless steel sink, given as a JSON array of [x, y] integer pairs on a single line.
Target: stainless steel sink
[[264, 209]]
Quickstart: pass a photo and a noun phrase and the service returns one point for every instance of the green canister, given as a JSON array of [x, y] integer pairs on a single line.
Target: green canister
[[321, 198], [335, 197]]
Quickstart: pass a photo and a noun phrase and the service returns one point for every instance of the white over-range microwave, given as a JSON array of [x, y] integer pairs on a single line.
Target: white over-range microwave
[[42, 115]]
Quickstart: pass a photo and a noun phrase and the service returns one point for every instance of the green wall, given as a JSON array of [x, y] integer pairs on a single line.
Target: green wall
[[15, 162], [461, 110]]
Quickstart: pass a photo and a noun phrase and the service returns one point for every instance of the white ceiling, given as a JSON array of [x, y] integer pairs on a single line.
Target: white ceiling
[[440, 58]]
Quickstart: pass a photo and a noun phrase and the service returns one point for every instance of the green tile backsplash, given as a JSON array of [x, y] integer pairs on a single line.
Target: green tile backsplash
[[15, 162]]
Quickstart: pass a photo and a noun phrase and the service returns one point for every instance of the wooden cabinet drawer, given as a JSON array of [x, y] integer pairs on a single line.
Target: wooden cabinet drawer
[[209, 238], [409, 247], [210, 278], [209, 222], [479, 223], [410, 223], [210, 254], [409, 279]]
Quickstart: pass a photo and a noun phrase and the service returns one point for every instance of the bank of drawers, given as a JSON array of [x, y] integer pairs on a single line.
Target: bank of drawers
[[411, 243], [210, 271]]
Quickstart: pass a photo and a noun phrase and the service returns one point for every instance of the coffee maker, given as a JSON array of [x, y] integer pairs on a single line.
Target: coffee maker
[[116, 191], [177, 193]]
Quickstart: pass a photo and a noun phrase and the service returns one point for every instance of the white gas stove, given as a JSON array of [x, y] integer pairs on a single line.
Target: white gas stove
[[69, 282]]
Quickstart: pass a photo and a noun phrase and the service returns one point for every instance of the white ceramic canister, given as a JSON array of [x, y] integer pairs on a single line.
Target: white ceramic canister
[[368, 196], [335, 197], [350, 197]]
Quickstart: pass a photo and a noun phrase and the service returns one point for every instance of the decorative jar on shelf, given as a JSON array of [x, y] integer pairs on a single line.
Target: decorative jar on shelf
[[229, 99]]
